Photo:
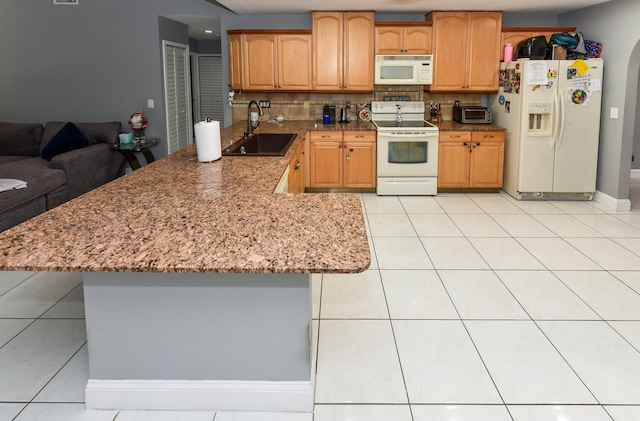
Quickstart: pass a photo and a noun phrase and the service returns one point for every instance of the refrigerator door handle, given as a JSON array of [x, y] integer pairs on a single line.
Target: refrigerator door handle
[[556, 120], [562, 118]]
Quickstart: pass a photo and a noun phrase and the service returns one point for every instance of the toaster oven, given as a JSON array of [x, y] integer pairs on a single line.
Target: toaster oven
[[469, 114]]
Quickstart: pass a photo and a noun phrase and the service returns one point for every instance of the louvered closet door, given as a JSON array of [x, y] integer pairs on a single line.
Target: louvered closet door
[[210, 84], [177, 95]]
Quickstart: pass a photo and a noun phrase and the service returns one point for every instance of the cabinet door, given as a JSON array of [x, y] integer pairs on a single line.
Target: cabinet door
[[327, 50], [483, 60], [358, 51], [260, 62], [516, 34], [359, 159], [417, 39], [325, 159], [487, 159], [449, 50], [389, 40], [235, 61], [294, 62], [453, 159], [296, 171]]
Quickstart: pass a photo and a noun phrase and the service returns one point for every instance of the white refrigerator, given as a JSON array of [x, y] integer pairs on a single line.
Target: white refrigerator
[[551, 110]]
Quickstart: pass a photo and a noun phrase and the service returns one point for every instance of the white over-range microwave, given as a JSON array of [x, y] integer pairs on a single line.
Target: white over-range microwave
[[403, 69]]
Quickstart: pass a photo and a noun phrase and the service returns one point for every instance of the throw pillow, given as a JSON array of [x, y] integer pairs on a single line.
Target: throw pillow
[[69, 138]]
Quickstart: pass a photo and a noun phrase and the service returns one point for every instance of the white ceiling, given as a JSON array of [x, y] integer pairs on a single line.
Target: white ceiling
[[242, 7], [198, 24]]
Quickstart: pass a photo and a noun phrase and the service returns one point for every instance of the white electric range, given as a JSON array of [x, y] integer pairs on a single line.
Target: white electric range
[[407, 149]]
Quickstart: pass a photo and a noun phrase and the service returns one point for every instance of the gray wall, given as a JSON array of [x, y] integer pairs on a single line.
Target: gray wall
[[615, 25], [98, 61]]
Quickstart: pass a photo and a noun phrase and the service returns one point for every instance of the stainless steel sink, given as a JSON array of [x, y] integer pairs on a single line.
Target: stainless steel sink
[[261, 144]]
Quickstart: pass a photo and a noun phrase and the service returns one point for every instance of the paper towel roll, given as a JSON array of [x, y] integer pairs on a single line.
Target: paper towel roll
[[208, 140]]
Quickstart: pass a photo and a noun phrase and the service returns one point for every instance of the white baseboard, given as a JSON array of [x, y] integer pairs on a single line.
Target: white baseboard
[[635, 173], [190, 395], [618, 205]]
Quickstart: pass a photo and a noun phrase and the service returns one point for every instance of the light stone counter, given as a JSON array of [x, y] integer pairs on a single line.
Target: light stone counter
[[179, 215]]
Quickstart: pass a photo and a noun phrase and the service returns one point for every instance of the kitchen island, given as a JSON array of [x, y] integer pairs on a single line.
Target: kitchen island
[[197, 278]]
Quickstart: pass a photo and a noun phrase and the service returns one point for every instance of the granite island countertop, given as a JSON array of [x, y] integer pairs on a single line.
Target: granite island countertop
[[179, 215]]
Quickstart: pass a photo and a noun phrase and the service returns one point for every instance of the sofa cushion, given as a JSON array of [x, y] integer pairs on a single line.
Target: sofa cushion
[[94, 132], [40, 178], [9, 158], [20, 138], [69, 138]]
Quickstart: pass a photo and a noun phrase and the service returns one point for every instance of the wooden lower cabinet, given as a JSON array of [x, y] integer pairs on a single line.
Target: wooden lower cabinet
[[359, 159], [296, 182], [342, 159], [470, 159]]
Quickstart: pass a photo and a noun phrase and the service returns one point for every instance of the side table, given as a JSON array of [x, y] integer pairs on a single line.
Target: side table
[[129, 151]]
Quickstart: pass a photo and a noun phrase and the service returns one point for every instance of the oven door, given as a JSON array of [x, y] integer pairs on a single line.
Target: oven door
[[407, 154]]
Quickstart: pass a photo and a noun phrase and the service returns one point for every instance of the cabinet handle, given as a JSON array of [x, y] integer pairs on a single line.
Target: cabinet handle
[[465, 144], [489, 136], [297, 166], [359, 136], [351, 150], [454, 136], [477, 144], [348, 157]]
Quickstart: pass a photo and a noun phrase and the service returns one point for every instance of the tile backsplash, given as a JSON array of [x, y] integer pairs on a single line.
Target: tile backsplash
[[308, 105]]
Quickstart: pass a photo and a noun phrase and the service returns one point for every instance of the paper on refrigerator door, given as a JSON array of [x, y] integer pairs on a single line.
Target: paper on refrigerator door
[[536, 72]]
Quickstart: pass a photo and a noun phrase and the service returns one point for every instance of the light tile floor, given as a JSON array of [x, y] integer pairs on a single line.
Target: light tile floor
[[477, 307]]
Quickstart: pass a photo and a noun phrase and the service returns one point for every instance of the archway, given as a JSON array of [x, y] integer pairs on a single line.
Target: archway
[[631, 124]]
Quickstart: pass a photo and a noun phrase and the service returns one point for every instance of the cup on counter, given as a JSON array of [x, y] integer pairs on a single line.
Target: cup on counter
[[254, 116]]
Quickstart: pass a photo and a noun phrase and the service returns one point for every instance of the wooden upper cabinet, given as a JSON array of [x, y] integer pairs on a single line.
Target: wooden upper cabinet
[[484, 51], [343, 51], [403, 38], [466, 49], [270, 60], [294, 61], [260, 61], [516, 34], [235, 61]]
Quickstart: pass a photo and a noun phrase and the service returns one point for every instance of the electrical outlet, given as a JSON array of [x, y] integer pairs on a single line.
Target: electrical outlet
[[150, 103], [264, 104], [306, 104]]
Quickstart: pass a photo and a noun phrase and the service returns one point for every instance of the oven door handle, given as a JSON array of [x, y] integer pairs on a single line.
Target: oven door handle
[[412, 135]]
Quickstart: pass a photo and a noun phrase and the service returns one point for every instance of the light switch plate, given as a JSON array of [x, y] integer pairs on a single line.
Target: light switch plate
[[613, 113], [150, 103]]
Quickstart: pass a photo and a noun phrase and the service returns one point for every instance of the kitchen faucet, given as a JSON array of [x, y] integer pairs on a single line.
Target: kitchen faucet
[[250, 127]]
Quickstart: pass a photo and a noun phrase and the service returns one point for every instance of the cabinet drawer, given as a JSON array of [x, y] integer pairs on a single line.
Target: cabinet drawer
[[325, 135], [359, 136], [450, 136], [481, 136]]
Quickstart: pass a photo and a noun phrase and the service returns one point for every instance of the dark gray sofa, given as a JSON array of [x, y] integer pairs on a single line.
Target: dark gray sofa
[[66, 176]]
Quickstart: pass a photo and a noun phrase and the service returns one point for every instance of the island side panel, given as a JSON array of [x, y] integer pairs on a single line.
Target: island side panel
[[165, 326]]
